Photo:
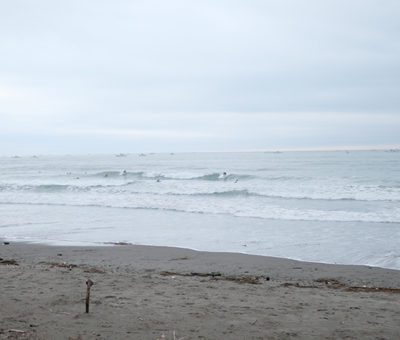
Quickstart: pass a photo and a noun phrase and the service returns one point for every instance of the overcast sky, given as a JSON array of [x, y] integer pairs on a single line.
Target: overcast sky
[[166, 75]]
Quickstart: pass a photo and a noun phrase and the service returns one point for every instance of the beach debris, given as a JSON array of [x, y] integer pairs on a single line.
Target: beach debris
[[70, 266], [89, 284], [16, 331], [212, 274], [241, 279], [373, 289], [119, 243], [59, 254], [297, 285], [218, 276], [180, 258], [331, 282], [336, 284], [9, 262], [61, 265]]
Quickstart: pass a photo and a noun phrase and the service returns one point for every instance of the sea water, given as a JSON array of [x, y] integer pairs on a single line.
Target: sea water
[[335, 207]]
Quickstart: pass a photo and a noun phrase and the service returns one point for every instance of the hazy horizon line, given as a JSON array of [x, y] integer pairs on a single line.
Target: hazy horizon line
[[299, 149]]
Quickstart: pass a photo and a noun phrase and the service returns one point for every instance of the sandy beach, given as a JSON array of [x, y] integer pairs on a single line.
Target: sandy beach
[[144, 292]]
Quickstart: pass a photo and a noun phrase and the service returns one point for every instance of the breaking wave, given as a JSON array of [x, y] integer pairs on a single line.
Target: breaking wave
[[215, 176]]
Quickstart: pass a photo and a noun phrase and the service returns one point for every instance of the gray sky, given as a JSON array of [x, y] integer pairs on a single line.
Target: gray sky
[[133, 76]]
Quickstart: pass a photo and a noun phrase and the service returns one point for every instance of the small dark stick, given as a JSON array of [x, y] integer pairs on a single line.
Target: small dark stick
[[89, 283]]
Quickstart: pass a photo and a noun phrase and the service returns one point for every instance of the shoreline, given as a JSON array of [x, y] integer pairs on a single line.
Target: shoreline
[[54, 244], [340, 243], [147, 291], [107, 245]]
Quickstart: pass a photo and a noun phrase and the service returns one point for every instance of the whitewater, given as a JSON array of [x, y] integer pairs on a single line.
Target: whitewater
[[334, 206]]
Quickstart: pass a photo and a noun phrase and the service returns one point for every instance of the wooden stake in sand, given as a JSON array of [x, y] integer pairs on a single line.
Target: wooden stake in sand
[[89, 283]]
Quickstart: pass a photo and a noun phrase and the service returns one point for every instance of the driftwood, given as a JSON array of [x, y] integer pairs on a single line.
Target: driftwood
[[89, 284], [12, 262], [16, 331]]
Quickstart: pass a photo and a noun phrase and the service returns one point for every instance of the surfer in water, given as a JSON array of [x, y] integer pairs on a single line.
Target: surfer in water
[[223, 176]]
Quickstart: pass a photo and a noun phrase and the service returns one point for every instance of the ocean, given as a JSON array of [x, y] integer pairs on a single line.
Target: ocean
[[333, 206]]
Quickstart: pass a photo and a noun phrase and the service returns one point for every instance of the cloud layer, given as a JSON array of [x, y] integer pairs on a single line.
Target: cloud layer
[[203, 75]]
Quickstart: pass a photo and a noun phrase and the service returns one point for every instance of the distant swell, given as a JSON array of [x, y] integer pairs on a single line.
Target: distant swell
[[231, 193], [127, 188], [36, 188], [49, 188], [246, 193]]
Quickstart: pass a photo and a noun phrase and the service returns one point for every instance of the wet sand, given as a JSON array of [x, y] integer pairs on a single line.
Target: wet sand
[[144, 292]]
